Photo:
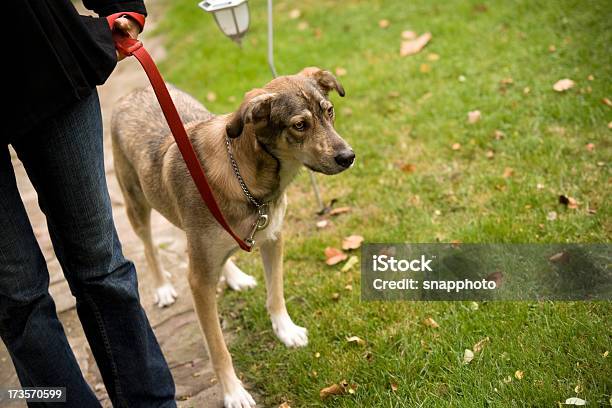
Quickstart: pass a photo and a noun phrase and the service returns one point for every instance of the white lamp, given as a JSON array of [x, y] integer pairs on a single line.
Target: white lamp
[[232, 16]]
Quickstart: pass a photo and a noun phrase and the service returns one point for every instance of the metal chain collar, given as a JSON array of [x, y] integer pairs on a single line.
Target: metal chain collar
[[245, 190]]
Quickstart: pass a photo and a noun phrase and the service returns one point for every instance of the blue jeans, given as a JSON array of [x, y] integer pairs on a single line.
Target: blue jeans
[[64, 160]]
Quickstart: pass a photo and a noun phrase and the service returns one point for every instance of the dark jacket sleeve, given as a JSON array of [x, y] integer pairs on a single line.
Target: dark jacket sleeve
[[108, 7]]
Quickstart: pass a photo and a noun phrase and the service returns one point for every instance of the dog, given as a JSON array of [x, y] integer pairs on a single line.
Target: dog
[[278, 129]]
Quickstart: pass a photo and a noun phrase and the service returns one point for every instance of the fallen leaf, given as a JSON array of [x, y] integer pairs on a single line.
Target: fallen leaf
[[334, 256], [408, 167], [490, 154], [496, 277], [499, 135], [578, 388], [352, 242], [569, 202], [430, 322], [508, 172], [561, 257], [456, 146], [508, 380], [590, 147], [411, 47], [526, 90], [384, 23], [551, 216], [393, 387], [335, 296], [357, 340], [409, 35], [424, 68], [481, 344], [474, 116], [333, 389], [322, 223], [552, 48], [348, 287], [340, 71], [606, 101], [468, 355], [211, 96], [563, 85], [474, 306], [591, 77], [519, 374], [340, 210], [317, 355], [575, 401], [352, 261], [302, 25], [295, 14], [284, 405], [432, 56], [461, 78], [506, 81], [605, 354]]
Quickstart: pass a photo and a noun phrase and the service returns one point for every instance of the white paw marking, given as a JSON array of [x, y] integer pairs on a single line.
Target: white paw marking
[[238, 397], [288, 332], [236, 279], [165, 295]]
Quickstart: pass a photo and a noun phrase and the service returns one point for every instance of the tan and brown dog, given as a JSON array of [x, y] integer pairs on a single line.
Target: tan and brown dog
[[287, 124]]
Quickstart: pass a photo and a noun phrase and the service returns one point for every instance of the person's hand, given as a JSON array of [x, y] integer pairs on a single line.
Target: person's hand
[[125, 26]]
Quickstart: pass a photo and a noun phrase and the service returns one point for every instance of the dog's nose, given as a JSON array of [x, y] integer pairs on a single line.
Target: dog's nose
[[345, 158]]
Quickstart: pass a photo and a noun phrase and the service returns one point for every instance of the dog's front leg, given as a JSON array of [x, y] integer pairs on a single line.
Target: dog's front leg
[[204, 272], [288, 332]]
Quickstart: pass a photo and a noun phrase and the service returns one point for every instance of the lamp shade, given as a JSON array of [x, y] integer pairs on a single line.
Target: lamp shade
[[232, 16]]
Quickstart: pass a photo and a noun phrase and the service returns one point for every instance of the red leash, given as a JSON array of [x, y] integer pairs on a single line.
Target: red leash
[[129, 46]]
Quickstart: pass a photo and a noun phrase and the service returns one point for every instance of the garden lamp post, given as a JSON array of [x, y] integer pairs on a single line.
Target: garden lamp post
[[232, 17]]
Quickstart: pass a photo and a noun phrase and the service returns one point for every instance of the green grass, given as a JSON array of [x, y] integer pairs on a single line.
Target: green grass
[[395, 114]]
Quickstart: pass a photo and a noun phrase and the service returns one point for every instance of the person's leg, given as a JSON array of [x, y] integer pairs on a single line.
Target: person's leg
[[65, 161], [29, 325]]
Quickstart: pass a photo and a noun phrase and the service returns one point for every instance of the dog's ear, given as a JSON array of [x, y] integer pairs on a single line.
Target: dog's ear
[[254, 109], [325, 79]]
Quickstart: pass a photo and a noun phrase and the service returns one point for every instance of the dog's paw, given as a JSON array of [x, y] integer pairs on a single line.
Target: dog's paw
[[238, 398], [238, 280], [289, 333], [165, 295]]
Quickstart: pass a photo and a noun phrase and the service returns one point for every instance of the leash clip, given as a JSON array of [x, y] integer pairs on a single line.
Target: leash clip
[[262, 221]]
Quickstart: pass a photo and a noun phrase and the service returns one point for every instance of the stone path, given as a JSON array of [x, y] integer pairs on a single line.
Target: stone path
[[176, 327]]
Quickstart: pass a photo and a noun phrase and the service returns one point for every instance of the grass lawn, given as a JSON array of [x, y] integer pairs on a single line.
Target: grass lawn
[[402, 116]]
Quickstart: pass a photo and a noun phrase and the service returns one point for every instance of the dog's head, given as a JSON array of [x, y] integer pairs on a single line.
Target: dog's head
[[293, 119]]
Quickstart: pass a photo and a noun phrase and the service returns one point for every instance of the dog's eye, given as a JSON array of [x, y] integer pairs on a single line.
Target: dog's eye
[[330, 111], [299, 126]]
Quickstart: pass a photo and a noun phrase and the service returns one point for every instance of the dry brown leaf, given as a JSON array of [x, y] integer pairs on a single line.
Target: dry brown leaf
[[481, 344], [474, 116], [411, 47], [352, 242], [211, 96], [384, 23], [407, 167], [456, 146], [563, 85], [590, 147], [333, 389], [552, 48], [393, 387], [334, 256], [499, 135], [340, 210], [508, 172], [496, 277], [519, 374], [409, 35], [335, 296], [490, 154], [432, 56], [302, 25], [430, 322], [560, 257], [425, 68], [569, 202], [606, 101], [284, 405], [356, 340]]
